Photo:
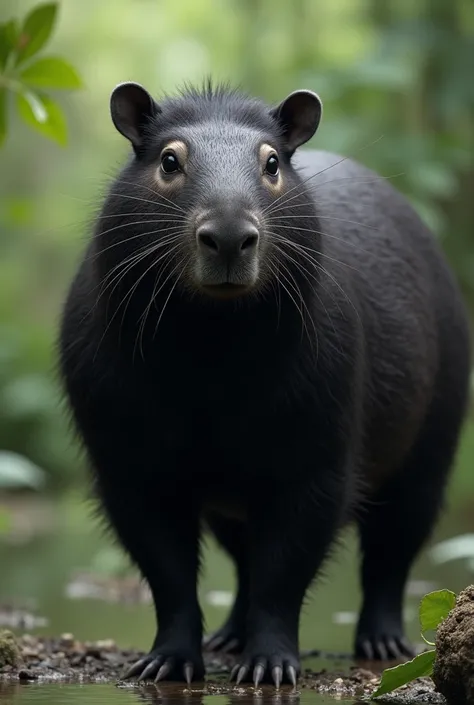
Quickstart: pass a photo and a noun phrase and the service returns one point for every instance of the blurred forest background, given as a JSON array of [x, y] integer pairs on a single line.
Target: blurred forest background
[[400, 71], [396, 80]]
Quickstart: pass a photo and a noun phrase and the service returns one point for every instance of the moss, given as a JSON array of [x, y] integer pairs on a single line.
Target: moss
[[454, 666], [9, 652]]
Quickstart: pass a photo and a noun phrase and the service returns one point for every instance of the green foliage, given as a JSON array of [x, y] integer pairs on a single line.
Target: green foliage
[[32, 421], [17, 472], [393, 678], [9, 651], [8, 37], [455, 548], [434, 608], [392, 70], [43, 114], [51, 72], [36, 31], [21, 74]]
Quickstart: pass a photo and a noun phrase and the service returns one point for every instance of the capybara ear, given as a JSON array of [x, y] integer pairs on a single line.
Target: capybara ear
[[131, 108], [299, 115]]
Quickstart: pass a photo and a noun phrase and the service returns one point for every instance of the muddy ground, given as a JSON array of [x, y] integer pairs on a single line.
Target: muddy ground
[[66, 659]]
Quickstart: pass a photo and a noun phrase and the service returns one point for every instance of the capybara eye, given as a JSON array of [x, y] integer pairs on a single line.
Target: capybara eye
[[272, 166], [169, 163]]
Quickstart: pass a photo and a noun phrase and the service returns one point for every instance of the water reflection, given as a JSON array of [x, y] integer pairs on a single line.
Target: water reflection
[[64, 694]]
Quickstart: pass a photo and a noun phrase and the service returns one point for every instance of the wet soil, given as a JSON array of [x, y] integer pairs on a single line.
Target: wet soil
[[65, 659]]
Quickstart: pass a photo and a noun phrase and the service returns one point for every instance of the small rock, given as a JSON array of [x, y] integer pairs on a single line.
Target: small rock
[[28, 640], [67, 641], [106, 645]]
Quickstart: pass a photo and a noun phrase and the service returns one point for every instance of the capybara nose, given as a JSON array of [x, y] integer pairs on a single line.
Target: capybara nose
[[227, 243]]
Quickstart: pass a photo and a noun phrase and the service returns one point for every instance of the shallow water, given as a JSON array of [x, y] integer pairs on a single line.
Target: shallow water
[[38, 694], [39, 570]]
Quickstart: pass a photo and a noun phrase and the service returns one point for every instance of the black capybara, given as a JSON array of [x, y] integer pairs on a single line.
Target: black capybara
[[269, 343]]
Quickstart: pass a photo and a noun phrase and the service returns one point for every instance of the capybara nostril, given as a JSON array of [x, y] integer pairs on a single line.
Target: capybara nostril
[[250, 242], [206, 239]]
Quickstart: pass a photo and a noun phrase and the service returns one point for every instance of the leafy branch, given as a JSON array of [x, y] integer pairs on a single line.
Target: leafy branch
[[25, 78]]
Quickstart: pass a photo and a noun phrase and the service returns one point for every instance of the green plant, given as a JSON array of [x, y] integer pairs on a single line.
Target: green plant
[[29, 412], [24, 77], [456, 548], [434, 608], [17, 472], [9, 652], [397, 69]]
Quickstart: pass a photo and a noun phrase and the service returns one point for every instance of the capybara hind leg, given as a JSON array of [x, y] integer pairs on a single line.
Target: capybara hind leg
[[395, 526], [232, 536]]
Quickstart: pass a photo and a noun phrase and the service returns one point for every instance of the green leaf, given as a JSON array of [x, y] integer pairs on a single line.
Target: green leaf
[[36, 31], [453, 549], [392, 678], [435, 607], [17, 471], [44, 115], [35, 106], [3, 115], [51, 72], [8, 39]]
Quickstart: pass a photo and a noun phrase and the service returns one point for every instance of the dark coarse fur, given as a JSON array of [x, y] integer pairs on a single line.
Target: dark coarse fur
[[341, 363]]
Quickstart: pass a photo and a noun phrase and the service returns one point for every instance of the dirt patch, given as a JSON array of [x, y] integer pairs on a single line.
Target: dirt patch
[[67, 659], [361, 683]]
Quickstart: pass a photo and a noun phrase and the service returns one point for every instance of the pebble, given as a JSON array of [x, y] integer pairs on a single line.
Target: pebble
[[67, 640], [106, 645]]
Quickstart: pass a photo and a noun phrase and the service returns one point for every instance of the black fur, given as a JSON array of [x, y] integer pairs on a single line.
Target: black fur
[[345, 366]]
